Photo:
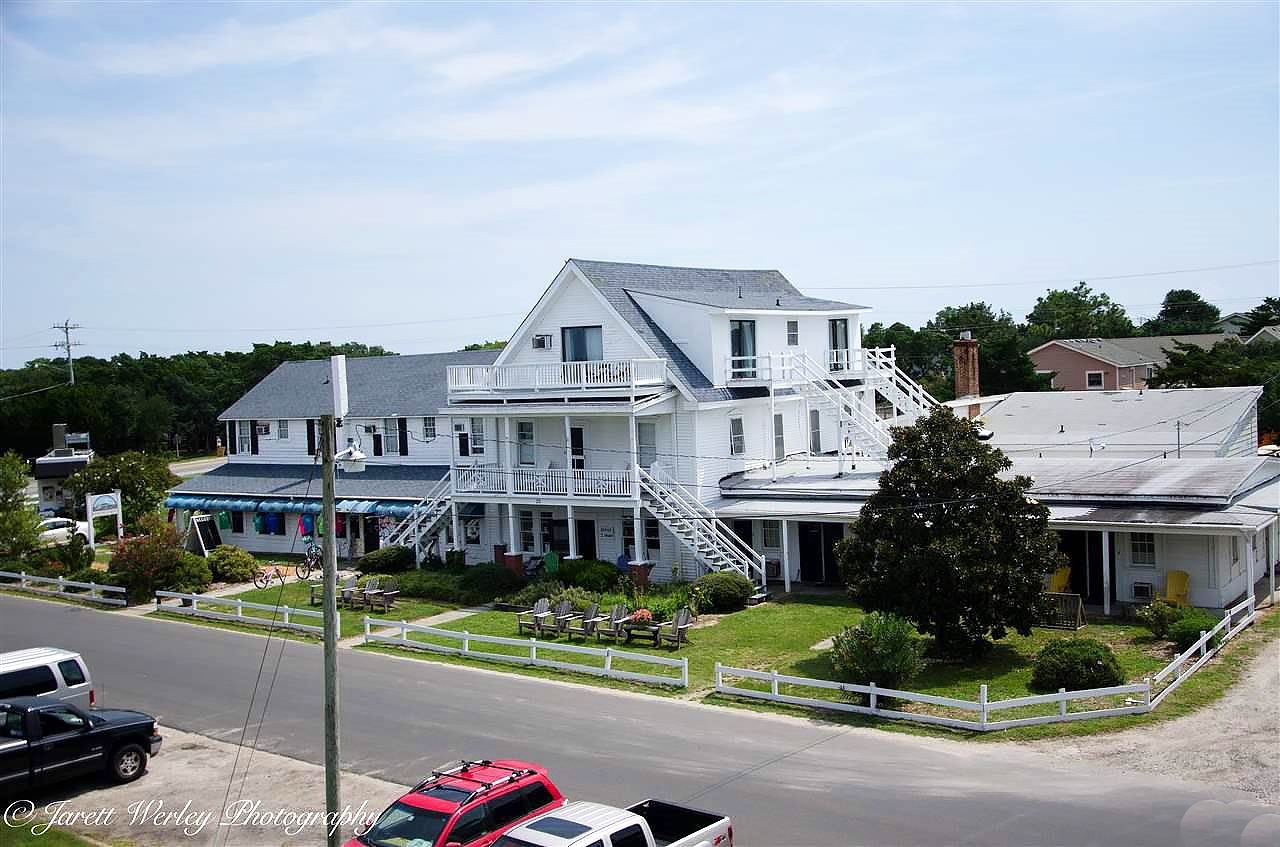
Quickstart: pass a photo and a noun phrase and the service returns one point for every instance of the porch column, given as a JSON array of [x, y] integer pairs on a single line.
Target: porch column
[[509, 472], [457, 525], [637, 527], [1249, 552], [573, 526], [635, 468], [786, 556], [1271, 566], [512, 536], [1106, 572], [568, 465]]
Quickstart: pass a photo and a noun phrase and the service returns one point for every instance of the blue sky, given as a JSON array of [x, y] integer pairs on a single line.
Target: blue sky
[[201, 176]]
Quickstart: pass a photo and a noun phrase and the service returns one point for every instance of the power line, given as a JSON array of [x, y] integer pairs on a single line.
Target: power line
[[35, 391], [1059, 281]]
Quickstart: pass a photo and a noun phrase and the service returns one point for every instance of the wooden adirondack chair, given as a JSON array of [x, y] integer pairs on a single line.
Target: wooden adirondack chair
[[533, 618], [586, 625], [386, 597], [364, 596], [558, 621], [344, 591], [1176, 584], [676, 631], [614, 626]]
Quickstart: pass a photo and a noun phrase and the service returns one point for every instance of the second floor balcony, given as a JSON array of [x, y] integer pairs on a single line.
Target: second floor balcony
[[543, 482], [559, 377], [781, 368]]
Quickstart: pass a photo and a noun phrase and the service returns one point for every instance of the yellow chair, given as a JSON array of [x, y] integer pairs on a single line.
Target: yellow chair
[[1060, 582], [1175, 588]]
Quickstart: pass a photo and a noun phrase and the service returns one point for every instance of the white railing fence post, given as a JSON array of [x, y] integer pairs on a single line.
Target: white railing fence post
[[608, 660], [158, 603], [93, 588], [1147, 694], [773, 683], [1062, 703], [286, 615], [1204, 642], [982, 704], [239, 609], [366, 628], [195, 603], [466, 642], [533, 650], [873, 697], [22, 579], [684, 672], [61, 586]]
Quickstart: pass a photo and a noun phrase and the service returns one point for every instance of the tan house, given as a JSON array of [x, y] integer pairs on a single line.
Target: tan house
[[1108, 364]]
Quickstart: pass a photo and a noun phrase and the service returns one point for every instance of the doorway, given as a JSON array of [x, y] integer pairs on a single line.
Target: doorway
[[742, 529], [586, 530], [817, 553], [577, 448], [372, 538]]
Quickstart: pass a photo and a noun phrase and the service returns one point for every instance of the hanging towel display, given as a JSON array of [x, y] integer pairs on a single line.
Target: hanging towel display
[[259, 523], [224, 520], [319, 524], [307, 524], [172, 513], [340, 525]]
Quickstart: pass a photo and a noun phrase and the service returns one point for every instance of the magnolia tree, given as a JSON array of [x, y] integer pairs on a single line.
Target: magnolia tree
[[947, 542]]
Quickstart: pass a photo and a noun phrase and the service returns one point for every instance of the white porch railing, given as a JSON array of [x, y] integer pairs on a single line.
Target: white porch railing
[[283, 615], [550, 482], [57, 587], [609, 373], [531, 647]]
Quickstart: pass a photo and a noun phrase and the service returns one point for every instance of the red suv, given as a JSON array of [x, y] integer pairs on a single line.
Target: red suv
[[468, 804]]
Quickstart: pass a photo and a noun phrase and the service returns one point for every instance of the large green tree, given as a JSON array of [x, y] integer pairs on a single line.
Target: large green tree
[[947, 542], [1266, 313], [1184, 312], [1228, 363], [1077, 313], [19, 523], [143, 480]]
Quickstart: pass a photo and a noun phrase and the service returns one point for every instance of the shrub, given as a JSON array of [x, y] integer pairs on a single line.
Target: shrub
[[88, 575], [393, 559], [155, 561], [663, 604], [724, 591], [532, 592], [231, 564], [455, 559], [589, 574], [432, 585], [481, 583], [1158, 616], [60, 559], [581, 598], [1186, 631], [1074, 664], [883, 648]]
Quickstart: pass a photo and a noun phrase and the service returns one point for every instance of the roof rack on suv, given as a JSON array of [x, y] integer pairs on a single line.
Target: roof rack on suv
[[456, 771]]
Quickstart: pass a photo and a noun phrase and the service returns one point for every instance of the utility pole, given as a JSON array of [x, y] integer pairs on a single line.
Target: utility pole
[[332, 791], [1178, 427], [66, 344]]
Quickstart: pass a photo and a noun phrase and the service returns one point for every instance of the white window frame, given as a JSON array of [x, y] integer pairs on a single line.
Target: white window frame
[[1102, 381], [1151, 372], [526, 450], [244, 435], [646, 443], [793, 333], [282, 430], [1050, 374], [772, 535], [652, 536], [471, 531], [476, 436], [527, 532], [737, 440], [390, 437], [428, 429], [779, 437], [1142, 549]]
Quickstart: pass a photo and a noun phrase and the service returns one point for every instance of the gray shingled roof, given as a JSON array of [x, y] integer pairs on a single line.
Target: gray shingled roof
[[1127, 352], [761, 289], [395, 482], [378, 386]]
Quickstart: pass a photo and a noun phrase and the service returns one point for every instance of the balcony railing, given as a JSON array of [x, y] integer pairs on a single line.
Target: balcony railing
[[553, 376], [853, 362], [543, 482]]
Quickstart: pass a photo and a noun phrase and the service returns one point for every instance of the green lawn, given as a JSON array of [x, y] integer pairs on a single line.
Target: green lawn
[[22, 837], [297, 595]]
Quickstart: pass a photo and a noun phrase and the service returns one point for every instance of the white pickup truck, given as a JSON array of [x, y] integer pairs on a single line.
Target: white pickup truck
[[651, 823]]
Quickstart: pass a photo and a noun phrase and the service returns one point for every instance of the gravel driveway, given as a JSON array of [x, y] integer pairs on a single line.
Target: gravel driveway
[[1235, 742]]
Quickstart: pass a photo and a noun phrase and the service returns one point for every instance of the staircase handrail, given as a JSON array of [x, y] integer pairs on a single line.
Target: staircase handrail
[[703, 520], [871, 425]]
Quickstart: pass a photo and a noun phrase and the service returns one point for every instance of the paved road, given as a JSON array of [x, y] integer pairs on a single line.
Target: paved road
[[785, 782], [196, 467]]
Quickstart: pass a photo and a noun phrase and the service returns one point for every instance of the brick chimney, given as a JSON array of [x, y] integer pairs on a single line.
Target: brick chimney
[[965, 354]]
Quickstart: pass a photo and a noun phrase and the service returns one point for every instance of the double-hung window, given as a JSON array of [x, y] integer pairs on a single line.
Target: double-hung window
[[524, 442], [391, 436], [1093, 379], [772, 534], [646, 443], [428, 429], [526, 532], [477, 436], [737, 438], [793, 333], [282, 430], [1142, 548], [581, 343], [779, 438], [245, 431]]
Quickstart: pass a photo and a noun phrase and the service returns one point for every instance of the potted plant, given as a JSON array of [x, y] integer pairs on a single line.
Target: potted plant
[[643, 617]]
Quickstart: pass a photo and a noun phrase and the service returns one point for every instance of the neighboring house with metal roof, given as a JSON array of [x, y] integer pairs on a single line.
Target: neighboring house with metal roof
[[1107, 364], [1266, 335]]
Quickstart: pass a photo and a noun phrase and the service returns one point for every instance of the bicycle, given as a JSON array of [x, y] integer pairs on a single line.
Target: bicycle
[[263, 577], [310, 562]]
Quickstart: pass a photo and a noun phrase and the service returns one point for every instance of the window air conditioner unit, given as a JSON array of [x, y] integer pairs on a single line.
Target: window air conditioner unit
[[264, 429], [1143, 591], [772, 569], [542, 342]]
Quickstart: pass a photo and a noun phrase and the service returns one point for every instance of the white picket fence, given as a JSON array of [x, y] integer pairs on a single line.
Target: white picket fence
[[466, 640], [1201, 652], [1138, 696], [285, 616], [95, 590]]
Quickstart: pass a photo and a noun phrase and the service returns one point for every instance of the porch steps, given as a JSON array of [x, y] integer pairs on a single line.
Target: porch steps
[[758, 598], [868, 434], [418, 529], [697, 527]]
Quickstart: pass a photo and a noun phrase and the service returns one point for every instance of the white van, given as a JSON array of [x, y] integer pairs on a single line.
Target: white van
[[47, 672]]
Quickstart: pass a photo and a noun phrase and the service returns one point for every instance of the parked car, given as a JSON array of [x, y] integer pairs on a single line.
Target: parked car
[[46, 672], [651, 823], [62, 530], [469, 804], [44, 740]]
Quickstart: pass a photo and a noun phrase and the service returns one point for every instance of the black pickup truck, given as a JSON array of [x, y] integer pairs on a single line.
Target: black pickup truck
[[44, 740]]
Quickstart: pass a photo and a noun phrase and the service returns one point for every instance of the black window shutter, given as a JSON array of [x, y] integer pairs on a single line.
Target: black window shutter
[[377, 444], [231, 438], [311, 437], [404, 436], [464, 444], [253, 437]]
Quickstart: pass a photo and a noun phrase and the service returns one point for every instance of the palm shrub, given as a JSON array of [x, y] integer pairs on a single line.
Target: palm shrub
[[1158, 616], [883, 648], [1186, 631], [229, 563], [724, 591], [1075, 664]]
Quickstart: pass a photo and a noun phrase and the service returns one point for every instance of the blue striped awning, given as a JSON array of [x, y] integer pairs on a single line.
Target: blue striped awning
[[393, 508]]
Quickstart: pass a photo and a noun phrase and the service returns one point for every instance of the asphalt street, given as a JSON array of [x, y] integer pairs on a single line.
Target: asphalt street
[[783, 781]]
